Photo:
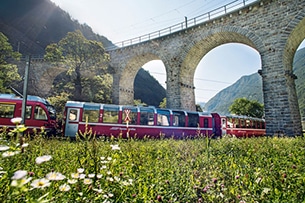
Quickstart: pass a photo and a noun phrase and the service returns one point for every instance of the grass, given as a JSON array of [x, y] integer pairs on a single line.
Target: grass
[[200, 170]]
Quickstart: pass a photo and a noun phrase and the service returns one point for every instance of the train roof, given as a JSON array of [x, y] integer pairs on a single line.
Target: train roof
[[29, 98], [91, 105]]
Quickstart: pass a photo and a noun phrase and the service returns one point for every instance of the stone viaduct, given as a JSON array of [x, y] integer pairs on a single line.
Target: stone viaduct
[[275, 28]]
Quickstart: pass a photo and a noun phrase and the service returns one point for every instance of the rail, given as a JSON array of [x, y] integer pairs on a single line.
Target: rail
[[215, 13]]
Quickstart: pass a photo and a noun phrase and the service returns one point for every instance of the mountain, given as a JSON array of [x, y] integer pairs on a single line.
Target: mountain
[[31, 25], [150, 93], [250, 87]]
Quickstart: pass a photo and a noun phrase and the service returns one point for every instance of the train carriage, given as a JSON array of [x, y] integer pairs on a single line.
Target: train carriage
[[242, 126], [39, 113], [137, 121]]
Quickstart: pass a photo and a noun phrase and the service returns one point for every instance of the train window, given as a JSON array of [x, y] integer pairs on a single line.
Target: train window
[[40, 113], [72, 114], [91, 113], [111, 114], [7, 110], [163, 117], [146, 116], [28, 112], [248, 123], [242, 123], [179, 118], [90, 116], [230, 123], [205, 123], [236, 123], [193, 119], [133, 114], [223, 123]]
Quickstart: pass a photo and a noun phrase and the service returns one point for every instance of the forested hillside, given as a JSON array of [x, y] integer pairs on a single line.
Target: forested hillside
[[31, 25], [250, 87]]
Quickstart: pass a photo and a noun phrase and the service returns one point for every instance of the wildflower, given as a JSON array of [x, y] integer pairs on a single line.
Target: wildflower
[[97, 190], [99, 176], [115, 147], [21, 182], [214, 180], [80, 170], [16, 120], [4, 148], [103, 167], [237, 177], [19, 174], [109, 158], [10, 153], [110, 179], [41, 183], [75, 175], [64, 188], [82, 176], [91, 175], [87, 181], [103, 158], [72, 181], [25, 145], [159, 198], [117, 178], [42, 159], [55, 176]]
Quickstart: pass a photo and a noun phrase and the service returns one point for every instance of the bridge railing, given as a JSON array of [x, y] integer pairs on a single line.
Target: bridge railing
[[215, 13]]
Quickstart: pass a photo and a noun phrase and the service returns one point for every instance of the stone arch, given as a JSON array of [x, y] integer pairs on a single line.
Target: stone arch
[[44, 79], [296, 28], [201, 47], [128, 74]]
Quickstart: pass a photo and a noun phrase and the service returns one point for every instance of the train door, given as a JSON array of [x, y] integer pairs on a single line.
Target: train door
[[71, 127], [216, 124], [224, 125]]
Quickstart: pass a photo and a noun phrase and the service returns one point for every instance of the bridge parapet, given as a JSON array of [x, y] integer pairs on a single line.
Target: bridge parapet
[[187, 24]]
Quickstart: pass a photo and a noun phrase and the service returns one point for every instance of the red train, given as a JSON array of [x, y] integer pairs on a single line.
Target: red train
[[39, 113], [125, 121], [138, 121]]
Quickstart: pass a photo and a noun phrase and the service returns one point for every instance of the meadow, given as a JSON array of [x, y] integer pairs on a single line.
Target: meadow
[[266, 169]]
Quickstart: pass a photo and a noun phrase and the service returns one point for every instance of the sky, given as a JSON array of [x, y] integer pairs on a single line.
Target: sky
[[120, 20]]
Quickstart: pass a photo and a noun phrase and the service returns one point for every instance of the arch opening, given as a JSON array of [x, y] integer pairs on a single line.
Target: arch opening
[[227, 72], [299, 72], [150, 88]]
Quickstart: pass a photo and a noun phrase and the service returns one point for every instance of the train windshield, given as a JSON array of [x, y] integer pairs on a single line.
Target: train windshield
[[52, 111]]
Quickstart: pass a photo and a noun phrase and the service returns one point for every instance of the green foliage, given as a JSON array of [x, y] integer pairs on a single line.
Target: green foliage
[[59, 102], [138, 102], [198, 108], [87, 67], [202, 170], [163, 103], [245, 107], [8, 72]]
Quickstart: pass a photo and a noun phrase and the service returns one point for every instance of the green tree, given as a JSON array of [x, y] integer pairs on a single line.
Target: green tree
[[84, 58], [163, 103], [245, 107], [8, 72]]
